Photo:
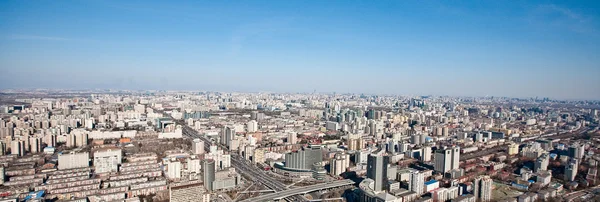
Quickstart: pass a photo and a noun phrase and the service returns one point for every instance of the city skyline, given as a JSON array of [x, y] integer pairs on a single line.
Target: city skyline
[[522, 49]]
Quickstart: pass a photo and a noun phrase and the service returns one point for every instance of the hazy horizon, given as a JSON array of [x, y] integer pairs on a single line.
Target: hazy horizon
[[479, 48]]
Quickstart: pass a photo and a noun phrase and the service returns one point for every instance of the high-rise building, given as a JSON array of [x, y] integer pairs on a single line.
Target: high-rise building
[[445, 131], [1, 175], [228, 135], [198, 146], [541, 163], [2, 149], [513, 149], [417, 182], [107, 160], [292, 138], [339, 163], [174, 169], [354, 142], [304, 159], [259, 156], [252, 126], [208, 167], [577, 151], [426, 157], [377, 170], [482, 188], [77, 139], [447, 159], [571, 170], [17, 147], [35, 145]]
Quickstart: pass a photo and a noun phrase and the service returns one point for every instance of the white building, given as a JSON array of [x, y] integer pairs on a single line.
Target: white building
[[339, 164], [107, 160], [73, 160], [173, 169], [198, 146], [252, 126], [417, 182]]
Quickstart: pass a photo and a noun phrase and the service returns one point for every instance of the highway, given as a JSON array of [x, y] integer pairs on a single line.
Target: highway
[[244, 167], [300, 190]]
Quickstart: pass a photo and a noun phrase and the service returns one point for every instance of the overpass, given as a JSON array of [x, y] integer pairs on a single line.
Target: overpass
[[300, 190]]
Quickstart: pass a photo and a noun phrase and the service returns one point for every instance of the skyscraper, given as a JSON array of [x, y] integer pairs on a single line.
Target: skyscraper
[[482, 188], [209, 173], [377, 170]]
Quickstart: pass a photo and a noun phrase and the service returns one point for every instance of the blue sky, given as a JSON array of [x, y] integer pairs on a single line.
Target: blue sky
[[465, 48]]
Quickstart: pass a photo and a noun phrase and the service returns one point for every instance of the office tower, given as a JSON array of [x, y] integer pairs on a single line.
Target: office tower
[[252, 126], [541, 163], [107, 160], [447, 159], [209, 173], [73, 160], [417, 182], [304, 158], [571, 170], [292, 138], [377, 170], [339, 163], [482, 188], [198, 146]]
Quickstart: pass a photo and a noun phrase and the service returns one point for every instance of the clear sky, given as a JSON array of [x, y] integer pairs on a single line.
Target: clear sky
[[465, 48]]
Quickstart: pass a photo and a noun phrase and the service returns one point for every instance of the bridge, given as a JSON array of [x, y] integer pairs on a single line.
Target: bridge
[[300, 190]]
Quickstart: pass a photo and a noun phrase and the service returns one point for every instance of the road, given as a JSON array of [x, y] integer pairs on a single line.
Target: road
[[300, 190], [244, 167]]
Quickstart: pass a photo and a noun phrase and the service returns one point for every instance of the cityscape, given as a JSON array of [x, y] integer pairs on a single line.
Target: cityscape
[[107, 145], [299, 101]]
